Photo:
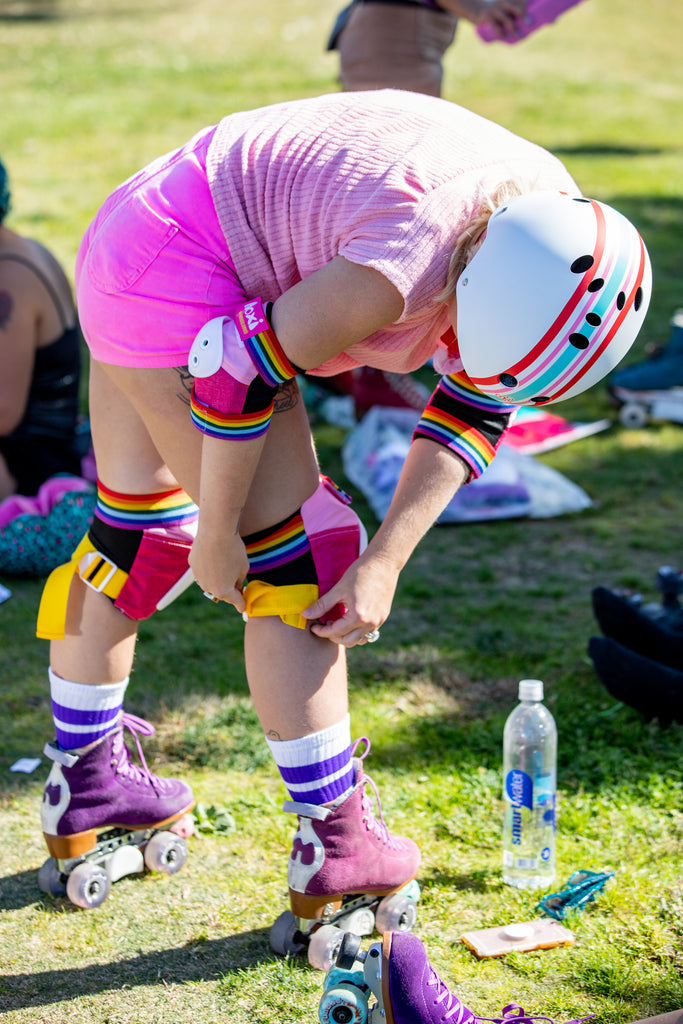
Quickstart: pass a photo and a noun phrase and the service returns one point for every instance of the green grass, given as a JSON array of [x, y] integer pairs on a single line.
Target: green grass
[[90, 92]]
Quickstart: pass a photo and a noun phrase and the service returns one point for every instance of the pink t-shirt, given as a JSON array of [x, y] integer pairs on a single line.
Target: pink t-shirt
[[386, 179]]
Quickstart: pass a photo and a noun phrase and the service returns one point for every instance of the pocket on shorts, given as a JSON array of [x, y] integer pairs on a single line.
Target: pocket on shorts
[[125, 245]]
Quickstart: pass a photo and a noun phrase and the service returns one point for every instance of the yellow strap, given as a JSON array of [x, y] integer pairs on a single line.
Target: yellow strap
[[52, 611], [286, 602], [99, 573]]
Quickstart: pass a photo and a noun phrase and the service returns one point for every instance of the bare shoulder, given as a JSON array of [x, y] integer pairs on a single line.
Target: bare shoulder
[[25, 264]]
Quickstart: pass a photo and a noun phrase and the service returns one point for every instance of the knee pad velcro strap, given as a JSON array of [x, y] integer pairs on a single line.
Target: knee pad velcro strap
[[287, 602], [140, 571]]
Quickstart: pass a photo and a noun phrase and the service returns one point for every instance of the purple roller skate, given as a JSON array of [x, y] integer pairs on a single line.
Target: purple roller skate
[[103, 817], [412, 992], [405, 987], [346, 873]]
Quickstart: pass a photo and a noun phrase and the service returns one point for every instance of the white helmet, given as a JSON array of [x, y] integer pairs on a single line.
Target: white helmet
[[552, 300]]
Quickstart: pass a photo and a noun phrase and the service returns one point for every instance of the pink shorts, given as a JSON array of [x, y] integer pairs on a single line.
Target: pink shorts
[[154, 265]]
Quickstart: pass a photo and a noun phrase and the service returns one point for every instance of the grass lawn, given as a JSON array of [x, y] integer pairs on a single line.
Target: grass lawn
[[90, 92]]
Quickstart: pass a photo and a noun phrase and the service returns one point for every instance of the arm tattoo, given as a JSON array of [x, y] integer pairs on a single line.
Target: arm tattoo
[[273, 735], [287, 396]]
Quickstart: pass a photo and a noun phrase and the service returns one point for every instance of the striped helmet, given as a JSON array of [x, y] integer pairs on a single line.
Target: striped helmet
[[552, 300]]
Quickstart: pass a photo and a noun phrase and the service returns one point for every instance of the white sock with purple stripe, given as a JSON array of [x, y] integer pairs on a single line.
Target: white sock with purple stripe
[[83, 713], [317, 769]]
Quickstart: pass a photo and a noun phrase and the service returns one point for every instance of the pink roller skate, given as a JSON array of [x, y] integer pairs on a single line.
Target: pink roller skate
[[104, 817], [396, 984], [346, 873]]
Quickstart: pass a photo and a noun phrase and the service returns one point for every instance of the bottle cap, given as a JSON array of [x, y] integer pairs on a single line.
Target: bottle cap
[[530, 689]]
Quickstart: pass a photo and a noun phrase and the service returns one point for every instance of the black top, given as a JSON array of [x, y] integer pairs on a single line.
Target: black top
[[48, 440]]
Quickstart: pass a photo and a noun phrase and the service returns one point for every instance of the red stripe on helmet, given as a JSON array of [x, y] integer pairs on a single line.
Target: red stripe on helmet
[[567, 310], [614, 328]]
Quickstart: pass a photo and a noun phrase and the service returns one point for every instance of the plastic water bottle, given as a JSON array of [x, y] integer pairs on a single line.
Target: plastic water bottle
[[529, 787]]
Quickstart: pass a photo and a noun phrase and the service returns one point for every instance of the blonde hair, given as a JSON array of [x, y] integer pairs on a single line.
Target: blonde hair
[[469, 240]]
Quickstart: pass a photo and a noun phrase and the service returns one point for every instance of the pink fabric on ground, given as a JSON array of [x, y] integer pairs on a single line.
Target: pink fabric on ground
[[41, 504]]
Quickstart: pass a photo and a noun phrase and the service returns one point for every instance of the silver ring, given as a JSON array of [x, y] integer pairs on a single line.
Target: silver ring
[[372, 637], [215, 600]]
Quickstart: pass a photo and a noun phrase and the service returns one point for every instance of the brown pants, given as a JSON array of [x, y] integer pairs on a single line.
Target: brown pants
[[391, 46]]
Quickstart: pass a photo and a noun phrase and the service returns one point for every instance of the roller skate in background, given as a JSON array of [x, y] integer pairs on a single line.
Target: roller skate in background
[[104, 817], [346, 873], [394, 983], [640, 657], [653, 388], [649, 627]]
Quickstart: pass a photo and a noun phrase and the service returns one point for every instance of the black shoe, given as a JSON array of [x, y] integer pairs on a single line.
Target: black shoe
[[655, 690], [660, 640]]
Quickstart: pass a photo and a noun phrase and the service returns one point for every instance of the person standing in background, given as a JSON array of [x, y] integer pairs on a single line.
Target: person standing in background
[[400, 44]]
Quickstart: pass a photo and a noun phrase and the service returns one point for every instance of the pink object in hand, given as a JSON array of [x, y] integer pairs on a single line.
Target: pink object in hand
[[539, 13], [337, 611]]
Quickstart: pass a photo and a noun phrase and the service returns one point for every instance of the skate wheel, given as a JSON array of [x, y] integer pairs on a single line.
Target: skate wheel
[[348, 951], [88, 886], [633, 415], [360, 921], [165, 852], [50, 878], [343, 1004], [324, 946], [285, 938], [396, 913]]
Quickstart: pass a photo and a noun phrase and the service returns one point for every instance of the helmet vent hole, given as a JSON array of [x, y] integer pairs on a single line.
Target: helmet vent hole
[[593, 319], [638, 299], [507, 380], [582, 264], [578, 340], [580, 199], [596, 285], [540, 400], [621, 300]]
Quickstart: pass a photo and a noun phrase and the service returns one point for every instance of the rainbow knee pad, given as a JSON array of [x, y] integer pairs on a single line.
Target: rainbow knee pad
[[295, 562], [135, 552]]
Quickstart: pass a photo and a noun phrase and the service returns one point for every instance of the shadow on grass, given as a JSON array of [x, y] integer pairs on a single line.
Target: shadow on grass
[[22, 11], [480, 881], [602, 149], [193, 962], [20, 890]]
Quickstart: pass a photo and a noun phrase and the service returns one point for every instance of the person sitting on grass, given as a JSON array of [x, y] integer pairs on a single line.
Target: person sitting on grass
[[41, 361]]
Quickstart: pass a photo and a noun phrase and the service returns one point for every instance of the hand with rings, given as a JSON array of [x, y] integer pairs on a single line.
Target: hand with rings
[[211, 597], [372, 637]]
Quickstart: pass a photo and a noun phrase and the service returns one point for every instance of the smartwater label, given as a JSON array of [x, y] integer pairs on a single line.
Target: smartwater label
[[519, 788]]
